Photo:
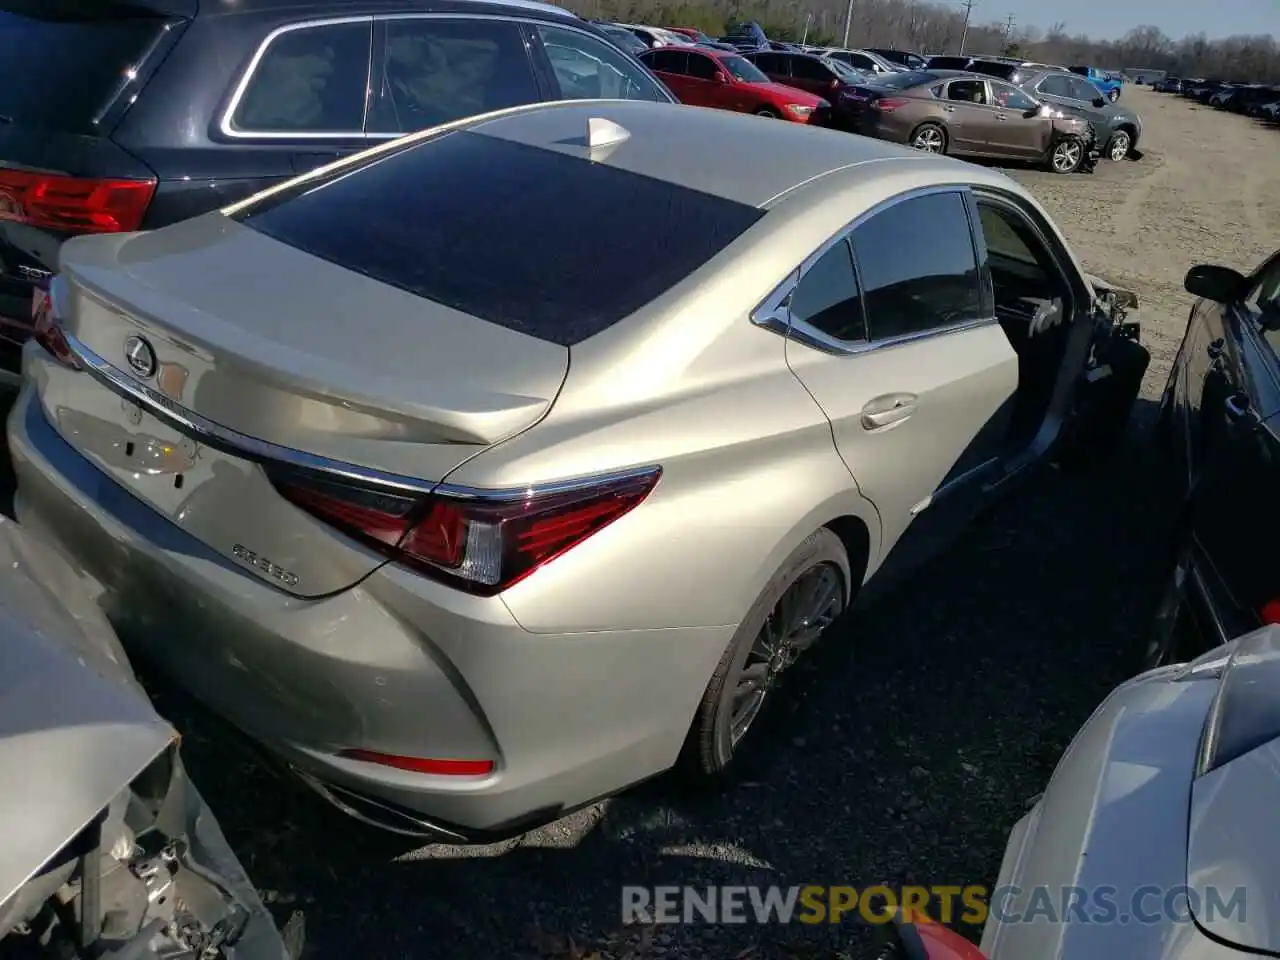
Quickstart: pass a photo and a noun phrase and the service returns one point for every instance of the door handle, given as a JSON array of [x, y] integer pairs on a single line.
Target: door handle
[[887, 410], [1237, 409], [948, 109], [1214, 350]]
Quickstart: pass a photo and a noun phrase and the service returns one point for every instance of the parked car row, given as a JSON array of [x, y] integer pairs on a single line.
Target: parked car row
[[1260, 100]]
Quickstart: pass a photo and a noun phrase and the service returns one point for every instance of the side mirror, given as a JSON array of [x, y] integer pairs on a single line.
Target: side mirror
[[1032, 111], [835, 83], [1218, 284], [1099, 102]]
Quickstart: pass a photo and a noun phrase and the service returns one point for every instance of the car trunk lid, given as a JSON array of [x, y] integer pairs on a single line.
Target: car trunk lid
[[296, 359]]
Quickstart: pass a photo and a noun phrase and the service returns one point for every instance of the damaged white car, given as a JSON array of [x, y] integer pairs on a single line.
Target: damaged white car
[[108, 850]]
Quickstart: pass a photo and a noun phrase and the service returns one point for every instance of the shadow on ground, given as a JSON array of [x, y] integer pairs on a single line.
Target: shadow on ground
[[905, 751]]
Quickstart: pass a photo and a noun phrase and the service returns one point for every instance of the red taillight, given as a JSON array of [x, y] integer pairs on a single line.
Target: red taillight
[[889, 104], [448, 768], [73, 204], [480, 545], [1270, 611], [47, 331]]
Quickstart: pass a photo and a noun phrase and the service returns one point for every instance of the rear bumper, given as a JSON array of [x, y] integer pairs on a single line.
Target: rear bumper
[[397, 665]]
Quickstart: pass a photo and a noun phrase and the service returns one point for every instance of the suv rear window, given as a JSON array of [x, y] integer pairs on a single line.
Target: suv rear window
[[60, 64], [1003, 71], [551, 245]]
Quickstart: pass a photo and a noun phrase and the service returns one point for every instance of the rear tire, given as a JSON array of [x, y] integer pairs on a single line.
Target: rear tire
[[820, 565], [929, 138]]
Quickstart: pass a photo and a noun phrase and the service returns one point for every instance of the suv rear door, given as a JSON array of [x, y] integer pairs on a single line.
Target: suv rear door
[[67, 70]]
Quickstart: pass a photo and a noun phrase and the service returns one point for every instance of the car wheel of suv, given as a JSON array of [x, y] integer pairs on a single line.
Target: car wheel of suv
[[1114, 95], [929, 137], [770, 114], [1120, 144], [1067, 155], [805, 596]]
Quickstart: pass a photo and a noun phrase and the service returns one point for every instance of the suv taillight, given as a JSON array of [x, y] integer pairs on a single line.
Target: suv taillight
[[73, 204], [479, 545]]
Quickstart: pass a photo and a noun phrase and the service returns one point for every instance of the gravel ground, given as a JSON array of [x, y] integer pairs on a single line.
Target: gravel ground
[[911, 743]]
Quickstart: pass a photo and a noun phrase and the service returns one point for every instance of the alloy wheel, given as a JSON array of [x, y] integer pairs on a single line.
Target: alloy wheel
[[802, 613], [1067, 155], [929, 140], [1120, 146]]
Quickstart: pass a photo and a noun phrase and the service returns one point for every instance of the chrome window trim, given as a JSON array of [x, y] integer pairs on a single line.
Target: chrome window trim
[[249, 448], [773, 312], [227, 127]]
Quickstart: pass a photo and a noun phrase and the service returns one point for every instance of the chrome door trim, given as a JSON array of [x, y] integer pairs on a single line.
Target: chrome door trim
[[773, 313]]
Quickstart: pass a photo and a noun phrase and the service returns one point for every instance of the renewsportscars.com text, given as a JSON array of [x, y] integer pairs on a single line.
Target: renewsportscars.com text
[[814, 904]]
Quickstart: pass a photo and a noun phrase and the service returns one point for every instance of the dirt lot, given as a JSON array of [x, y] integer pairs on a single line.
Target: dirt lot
[[915, 742]]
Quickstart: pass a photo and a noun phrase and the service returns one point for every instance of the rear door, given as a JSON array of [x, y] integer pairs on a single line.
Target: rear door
[[776, 66], [908, 363], [671, 65], [809, 73], [67, 71]]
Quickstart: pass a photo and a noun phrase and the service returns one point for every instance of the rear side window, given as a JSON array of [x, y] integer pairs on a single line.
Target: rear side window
[[60, 66], [309, 80], [827, 299], [861, 61], [537, 241], [770, 63], [936, 288], [668, 61], [589, 69], [438, 70], [808, 68]]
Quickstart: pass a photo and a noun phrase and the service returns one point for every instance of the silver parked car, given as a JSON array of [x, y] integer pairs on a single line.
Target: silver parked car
[[1158, 824], [494, 468], [108, 849]]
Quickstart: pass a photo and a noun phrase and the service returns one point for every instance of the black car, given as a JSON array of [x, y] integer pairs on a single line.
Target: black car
[[817, 75], [121, 115], [1219, 423], [1121, 125], [905, 58]]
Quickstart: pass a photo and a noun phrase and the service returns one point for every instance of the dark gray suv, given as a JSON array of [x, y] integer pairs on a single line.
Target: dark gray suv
[[1120, 124], [153, 111]]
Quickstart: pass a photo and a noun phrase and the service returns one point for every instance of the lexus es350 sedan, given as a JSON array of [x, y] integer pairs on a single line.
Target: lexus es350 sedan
[[493, 469]]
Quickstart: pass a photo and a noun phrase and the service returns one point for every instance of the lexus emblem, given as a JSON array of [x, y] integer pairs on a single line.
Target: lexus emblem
[[141, 358]]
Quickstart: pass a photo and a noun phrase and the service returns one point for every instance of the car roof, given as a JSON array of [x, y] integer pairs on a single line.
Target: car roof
[[307, 9], [754, 164]]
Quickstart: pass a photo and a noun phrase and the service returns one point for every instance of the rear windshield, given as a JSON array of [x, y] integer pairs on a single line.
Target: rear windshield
[[948, 63], [59, 66], [904, 80], [1002, 70], [554, 246]]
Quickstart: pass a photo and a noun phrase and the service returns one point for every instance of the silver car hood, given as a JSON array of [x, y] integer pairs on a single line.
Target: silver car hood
[[1233, 846], [74, 725]]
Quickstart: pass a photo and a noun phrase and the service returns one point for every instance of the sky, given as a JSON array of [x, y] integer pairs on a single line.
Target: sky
[[1111, 19]]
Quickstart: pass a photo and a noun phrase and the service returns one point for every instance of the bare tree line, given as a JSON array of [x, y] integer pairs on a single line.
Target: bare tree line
[[937, 27]]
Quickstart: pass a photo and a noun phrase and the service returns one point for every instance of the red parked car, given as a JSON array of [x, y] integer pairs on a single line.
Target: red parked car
[[728, 81]]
